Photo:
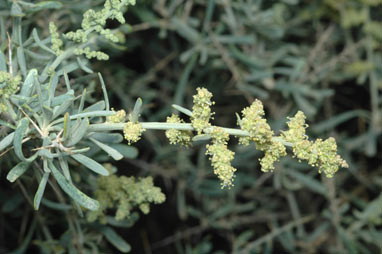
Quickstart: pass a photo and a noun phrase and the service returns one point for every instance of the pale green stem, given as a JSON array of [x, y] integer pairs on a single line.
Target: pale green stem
[[170, 126]]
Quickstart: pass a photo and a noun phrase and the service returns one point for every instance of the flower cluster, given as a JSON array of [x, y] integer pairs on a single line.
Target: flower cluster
[[260, 132], [8, 86], [201, 110], [221, 156], [55, 39], [253, 122], [132, 132], [89, 53], [118, 117], [322, 154], [273, 153], [124, 194], [177, 136], [96, 21]]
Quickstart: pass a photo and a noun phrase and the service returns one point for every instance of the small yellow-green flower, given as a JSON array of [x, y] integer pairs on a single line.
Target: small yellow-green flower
[[177, 136], [8, 85], [123, 194], [55, 39], [132, 132], [272, 154], [118, 117], [201, 110], [253, 122], [322, 154], [221, 157]]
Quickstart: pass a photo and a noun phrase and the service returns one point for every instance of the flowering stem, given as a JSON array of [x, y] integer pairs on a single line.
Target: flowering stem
[[176, 126]]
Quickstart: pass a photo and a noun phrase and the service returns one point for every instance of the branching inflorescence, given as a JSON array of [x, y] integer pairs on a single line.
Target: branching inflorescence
[[254, 128], [95, 21]]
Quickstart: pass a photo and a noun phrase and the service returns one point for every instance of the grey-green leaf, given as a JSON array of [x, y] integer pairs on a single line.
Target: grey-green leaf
[[126, 150], [105, 137], [182, 109], [27, 87], [136, 110], [40, 190], [109, 150], [90, 164], [17, 171], [5, 142], [100, 105], [18, 139], [72, 191], [117, 241], [78, 132]]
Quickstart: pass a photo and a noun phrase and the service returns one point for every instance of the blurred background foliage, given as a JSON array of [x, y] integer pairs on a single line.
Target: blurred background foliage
[[321, 57]]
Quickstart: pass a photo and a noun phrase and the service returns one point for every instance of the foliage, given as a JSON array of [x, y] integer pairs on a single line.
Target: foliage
[[293, 55]]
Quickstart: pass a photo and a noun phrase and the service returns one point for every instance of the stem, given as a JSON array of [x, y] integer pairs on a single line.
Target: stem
[[177, 126], [66, 54]]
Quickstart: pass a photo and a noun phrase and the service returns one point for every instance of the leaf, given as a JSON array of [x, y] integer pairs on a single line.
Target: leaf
[[182, 109], [201, 137], [72, 191], [40, 190], [58, 110], [104, 92], [21, 60], [27, 87], [18, 139], [126, 150], [39, 43], [56, 206], [30, 8], [109, 150], [79, 131], [185, 30], [16, 10], [253, 90], [90, 164], [338, 119], [136, 110], [105, 137], [5, 142], [57, 101], [3, 64], [308, 182], [100, 105], [17, 171], [113, 238], [67, 126]]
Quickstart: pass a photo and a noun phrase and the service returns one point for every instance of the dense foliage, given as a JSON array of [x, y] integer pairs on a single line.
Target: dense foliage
[[270, 66]]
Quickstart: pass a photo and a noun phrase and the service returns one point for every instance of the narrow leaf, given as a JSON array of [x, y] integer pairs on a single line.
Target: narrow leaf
[[18, 139], [181, 109], [40, 191], [5, 142], [100, 105], [72, 191], [126, 150], [136, 110], [17, 171], [66, 126], [104, 91], [39, 43], [105, 137], [90, 164], [79, 131], [308, 182], [27, 87], [109, 150], [113, 238], [21, 59]]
